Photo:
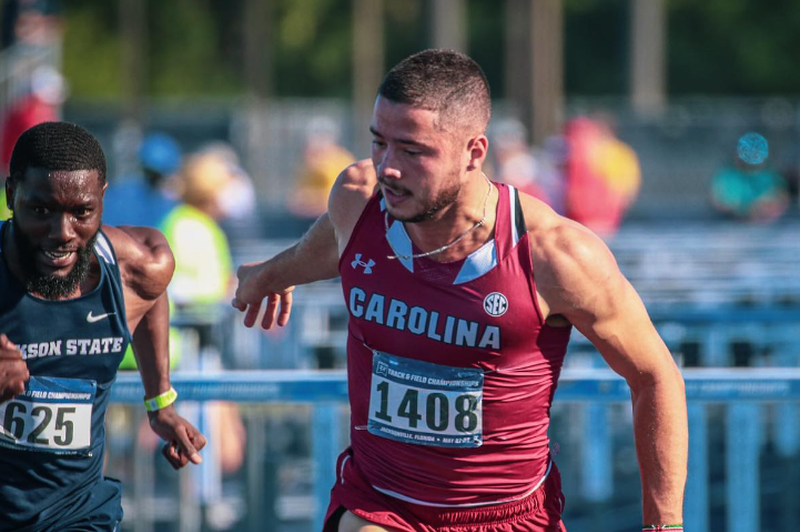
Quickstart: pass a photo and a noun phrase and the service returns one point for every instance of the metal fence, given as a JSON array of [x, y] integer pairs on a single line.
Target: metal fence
[[743, 397]]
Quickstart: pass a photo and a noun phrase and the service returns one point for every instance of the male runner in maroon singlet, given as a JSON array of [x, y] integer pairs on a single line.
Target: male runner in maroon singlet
[[461, 295]]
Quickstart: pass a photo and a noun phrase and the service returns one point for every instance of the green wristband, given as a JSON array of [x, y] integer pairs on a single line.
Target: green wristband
[[161, 401]]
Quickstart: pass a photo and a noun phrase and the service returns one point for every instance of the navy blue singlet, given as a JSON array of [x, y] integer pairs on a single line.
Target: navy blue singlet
[[52, 436]]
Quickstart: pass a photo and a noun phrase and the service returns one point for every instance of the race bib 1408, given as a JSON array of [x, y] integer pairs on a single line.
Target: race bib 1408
[[426, 404], [52, 415]]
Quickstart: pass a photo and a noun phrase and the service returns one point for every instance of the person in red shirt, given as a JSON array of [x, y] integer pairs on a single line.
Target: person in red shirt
[[461, 294], [40, 105], [602, 175]]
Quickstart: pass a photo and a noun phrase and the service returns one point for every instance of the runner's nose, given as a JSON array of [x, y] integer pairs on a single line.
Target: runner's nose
[[387, 166], [61, 228]]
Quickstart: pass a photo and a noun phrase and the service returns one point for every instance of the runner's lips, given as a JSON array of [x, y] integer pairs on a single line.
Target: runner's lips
[[58, 258], [393, 196]]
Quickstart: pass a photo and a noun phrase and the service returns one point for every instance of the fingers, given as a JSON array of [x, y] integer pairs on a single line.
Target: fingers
[[170, 450], [198, 440], [239, 305], [185, 445], [251, 315], [286, 309], [185, 448], [13, 377], [17, 387], [13, 370], [7, 345], [271, 311]]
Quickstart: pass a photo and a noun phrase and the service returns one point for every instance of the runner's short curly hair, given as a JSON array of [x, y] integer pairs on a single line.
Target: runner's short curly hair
[[445, 81], [57, 146]]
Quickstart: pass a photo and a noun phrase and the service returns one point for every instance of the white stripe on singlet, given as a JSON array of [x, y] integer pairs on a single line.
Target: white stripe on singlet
[[513, 198], [412, 500], [103, 248]]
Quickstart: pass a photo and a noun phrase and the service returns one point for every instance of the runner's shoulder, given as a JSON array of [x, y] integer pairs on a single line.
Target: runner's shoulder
[[145, 260], [354, 187], [560, 246], [359, 178]]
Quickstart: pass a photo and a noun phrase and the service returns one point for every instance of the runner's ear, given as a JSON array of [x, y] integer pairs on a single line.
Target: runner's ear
[[477, 148]]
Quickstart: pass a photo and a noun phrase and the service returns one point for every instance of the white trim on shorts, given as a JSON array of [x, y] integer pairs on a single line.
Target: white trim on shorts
[[341, 469], [412, 500]]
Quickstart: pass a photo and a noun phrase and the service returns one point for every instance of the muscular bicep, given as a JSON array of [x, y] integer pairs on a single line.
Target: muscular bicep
[[587, 288], [621, 330]]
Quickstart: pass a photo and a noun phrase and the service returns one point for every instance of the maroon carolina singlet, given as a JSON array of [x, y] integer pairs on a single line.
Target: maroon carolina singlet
[[451, 368]]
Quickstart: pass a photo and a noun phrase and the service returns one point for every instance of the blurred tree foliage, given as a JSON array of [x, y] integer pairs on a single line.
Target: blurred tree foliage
[[596, 46], [486, 41], [92, 49], [195, 47], [311, 50], [739, 47]]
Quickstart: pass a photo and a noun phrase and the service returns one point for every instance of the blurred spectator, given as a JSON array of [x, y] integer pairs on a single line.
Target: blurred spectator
[[5, 212], [200, 288], [40, 103], [237, 198], [602, 175], [750, 192], [323, 160], [203, 265], [791, 174], [528, 169], [30, 22], [144, 198]]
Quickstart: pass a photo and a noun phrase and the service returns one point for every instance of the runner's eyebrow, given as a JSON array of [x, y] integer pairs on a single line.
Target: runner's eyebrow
[[401, 141]]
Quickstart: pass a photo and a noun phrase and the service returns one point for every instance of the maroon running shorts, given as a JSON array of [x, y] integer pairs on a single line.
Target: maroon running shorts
[[539, 512]]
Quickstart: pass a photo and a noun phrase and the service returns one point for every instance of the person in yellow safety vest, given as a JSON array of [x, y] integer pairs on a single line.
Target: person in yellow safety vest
[[5, 212], [202, 280], [203, 265], [204, 275]]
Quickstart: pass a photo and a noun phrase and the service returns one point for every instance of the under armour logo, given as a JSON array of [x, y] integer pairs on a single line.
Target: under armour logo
[[366, 265]]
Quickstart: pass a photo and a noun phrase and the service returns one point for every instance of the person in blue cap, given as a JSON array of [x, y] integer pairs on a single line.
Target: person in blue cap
[[144, 200]]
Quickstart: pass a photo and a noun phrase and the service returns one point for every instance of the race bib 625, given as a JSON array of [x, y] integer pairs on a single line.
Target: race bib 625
[[52, 415]]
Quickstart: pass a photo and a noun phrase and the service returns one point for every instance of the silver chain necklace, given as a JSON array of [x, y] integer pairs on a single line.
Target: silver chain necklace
[[479, 223]]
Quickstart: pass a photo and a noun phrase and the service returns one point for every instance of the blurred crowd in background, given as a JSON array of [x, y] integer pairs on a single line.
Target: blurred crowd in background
[[272, 163]]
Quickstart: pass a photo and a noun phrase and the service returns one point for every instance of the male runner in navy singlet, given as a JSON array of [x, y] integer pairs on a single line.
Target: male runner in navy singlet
[[461, 294], [73, 295]]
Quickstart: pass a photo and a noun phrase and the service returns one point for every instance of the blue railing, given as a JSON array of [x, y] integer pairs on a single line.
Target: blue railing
[[741, 390]]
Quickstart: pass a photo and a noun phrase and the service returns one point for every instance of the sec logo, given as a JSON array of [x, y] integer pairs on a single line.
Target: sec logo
[[495, 304]]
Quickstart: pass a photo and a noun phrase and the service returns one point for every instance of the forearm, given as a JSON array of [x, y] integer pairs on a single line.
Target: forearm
[[314, 258], [661, 432], [151, 347]]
